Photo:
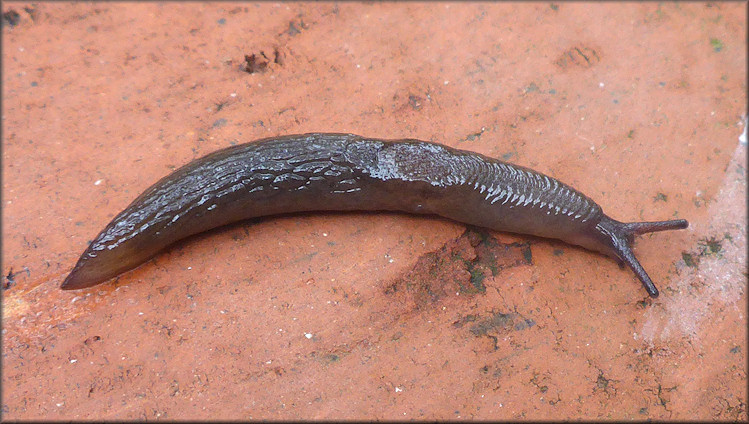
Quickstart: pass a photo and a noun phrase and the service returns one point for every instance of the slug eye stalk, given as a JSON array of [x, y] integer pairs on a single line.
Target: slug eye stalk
[[622, 236]]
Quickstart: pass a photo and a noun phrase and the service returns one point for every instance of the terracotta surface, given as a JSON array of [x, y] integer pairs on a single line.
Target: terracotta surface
[[352, 316]]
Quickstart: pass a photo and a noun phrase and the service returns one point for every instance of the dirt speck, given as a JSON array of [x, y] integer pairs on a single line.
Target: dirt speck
[[11, 18], [578, 56], [258, 62]]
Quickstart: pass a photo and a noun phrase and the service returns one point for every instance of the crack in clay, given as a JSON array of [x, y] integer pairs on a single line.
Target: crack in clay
[[460, 266]]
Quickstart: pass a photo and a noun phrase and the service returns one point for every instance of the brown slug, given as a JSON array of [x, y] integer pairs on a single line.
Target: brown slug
[[346, 172]]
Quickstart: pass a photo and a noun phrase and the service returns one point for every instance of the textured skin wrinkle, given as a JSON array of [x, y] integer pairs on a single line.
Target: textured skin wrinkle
[[345, 172]]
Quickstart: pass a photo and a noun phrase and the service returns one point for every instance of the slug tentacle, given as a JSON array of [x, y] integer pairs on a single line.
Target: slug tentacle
[[655, 226], [346, 172], [620, 235]]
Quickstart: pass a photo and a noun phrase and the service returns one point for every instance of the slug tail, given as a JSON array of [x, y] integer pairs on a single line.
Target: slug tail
[[621, 236], [77, 280]]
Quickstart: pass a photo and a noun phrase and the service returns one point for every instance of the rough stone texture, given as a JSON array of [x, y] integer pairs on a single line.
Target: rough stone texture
[[387, 316]]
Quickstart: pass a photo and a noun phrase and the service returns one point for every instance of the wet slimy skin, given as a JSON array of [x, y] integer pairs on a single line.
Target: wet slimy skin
[[346, 172]]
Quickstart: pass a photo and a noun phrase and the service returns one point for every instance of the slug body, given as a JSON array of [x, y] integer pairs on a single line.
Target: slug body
[[345, 172]]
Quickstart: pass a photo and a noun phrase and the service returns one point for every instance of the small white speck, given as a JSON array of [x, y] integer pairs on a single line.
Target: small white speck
[[447, 82], [20, 49], [189, 267], [73, 361], [324, 234], [269, 362], [223, 312], [233, 94], [742, 137], [600, 84], [308, 335], [60, 404], [140, 313], [582, 119], [97, 182], [398, 389], [358, 66]]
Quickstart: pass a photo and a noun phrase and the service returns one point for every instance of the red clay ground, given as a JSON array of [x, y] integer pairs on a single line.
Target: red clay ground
[[381, 316]]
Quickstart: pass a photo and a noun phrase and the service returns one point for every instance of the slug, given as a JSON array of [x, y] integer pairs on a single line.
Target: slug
[[346, 172]]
